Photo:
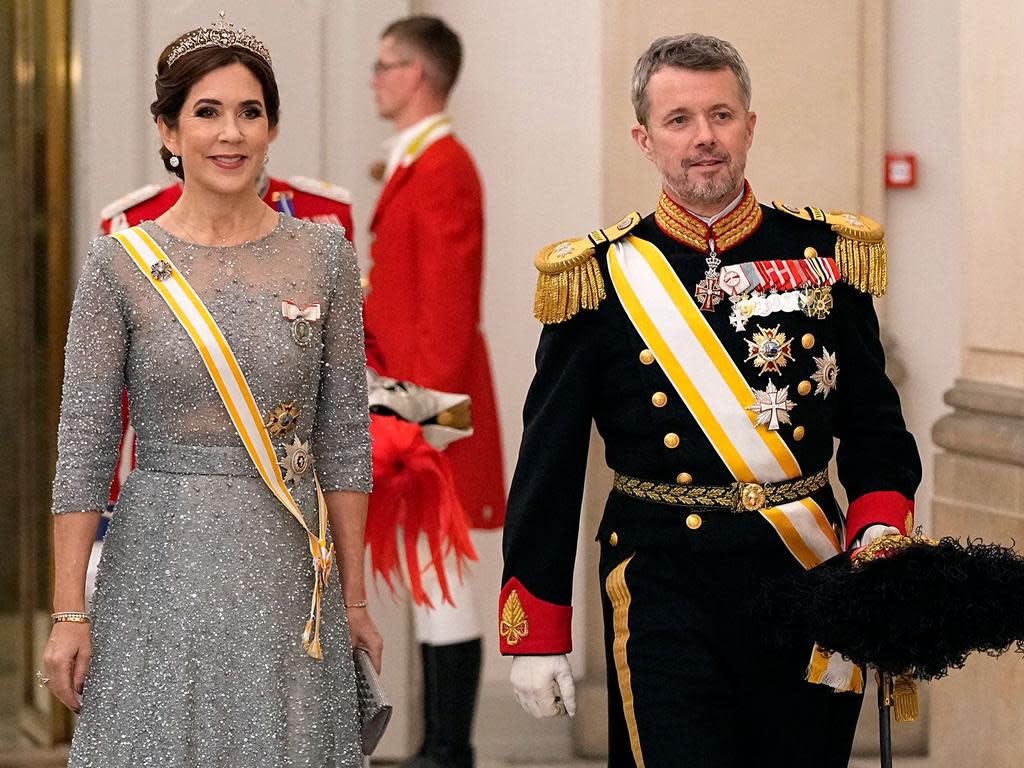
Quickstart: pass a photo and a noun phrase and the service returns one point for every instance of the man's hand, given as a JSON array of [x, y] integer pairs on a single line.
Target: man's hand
[[873, 532], [544, 685]]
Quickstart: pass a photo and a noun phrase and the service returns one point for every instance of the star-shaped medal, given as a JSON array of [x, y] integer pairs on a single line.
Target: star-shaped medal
[[772, 406], [770, 349], [827, 373], [297, 460], [283, 419], [817, 302]]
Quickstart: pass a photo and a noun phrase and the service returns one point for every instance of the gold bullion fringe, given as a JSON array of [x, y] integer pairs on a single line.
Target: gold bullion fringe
[[863, 265], [906, 705], [560, 296]]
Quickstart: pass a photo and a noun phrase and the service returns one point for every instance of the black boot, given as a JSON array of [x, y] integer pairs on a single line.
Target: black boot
[[451, 678]]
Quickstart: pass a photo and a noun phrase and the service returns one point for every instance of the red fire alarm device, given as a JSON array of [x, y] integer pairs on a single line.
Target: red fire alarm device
[[900, 170]]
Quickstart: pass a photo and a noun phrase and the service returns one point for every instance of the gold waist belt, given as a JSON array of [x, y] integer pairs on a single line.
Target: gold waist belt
[[738, 497]]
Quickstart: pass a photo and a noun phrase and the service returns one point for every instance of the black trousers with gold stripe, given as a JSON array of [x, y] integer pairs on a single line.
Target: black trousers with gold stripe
[[693, 680]]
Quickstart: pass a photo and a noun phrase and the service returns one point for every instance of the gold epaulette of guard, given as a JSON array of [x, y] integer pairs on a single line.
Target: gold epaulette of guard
[[570, 277], [860, 246]]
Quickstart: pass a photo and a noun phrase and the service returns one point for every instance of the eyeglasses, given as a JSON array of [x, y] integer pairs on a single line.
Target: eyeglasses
[[380, 67]]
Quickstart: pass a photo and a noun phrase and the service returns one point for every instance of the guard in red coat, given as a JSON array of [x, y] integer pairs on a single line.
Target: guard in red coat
[[423, 307]]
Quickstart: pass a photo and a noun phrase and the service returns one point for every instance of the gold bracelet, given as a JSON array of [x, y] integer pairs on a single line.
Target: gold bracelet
[[75, 617], [360, 604]]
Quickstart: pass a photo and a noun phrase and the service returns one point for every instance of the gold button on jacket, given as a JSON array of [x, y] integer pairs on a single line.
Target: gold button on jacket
[[684, 478], [613, 539], [660, 399], [693, 522], [646, 357], [671, 440]]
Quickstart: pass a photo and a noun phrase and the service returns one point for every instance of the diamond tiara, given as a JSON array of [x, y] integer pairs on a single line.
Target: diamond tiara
[[221, 34]]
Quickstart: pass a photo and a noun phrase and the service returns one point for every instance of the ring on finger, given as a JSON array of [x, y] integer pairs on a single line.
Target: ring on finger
[[41, 680]]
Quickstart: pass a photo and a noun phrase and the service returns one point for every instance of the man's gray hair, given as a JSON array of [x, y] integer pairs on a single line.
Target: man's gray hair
[[693, 51]]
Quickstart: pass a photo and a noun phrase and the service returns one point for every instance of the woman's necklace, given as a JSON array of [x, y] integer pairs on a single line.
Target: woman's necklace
[[181, 223]]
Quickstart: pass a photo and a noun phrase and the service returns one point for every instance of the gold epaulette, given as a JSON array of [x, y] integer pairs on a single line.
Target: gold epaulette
[[570, 277], [860, 246]]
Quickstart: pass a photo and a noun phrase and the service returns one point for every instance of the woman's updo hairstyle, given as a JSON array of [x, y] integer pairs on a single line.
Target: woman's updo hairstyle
[[174, 83]]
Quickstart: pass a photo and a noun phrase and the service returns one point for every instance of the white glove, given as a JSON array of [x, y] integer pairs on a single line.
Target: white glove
[[544, 685], [873, 532]]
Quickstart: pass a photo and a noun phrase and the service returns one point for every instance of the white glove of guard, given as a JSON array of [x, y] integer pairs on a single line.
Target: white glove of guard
[[873, 532], [544, 685]]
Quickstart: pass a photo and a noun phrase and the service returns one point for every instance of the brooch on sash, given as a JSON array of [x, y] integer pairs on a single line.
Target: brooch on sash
[[161, 270], [300, 319]]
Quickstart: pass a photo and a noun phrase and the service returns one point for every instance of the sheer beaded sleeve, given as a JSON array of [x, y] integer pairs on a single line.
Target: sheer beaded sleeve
[[341, 441], [90, 413]]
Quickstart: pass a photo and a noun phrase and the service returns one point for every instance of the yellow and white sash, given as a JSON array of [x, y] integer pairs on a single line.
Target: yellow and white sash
[[716, 393], [234, 390]]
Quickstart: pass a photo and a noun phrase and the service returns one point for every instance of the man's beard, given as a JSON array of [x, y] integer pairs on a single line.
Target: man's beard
[[720, 188]]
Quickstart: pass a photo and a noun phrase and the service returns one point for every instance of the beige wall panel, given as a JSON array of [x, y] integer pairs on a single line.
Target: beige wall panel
[[976, 717], [810, 90], [993, 148]]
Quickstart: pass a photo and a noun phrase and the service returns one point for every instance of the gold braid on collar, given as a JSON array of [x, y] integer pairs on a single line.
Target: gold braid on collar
[[732, 229]]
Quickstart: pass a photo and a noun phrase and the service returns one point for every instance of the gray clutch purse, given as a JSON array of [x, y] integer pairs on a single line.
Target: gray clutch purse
[[374, 706]]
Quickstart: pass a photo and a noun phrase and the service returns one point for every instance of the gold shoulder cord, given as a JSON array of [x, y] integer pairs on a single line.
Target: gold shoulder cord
[[860, 246], [570, 277]]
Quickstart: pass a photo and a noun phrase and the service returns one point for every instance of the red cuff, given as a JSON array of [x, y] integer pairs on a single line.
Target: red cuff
[[879, 508], [530, 626]]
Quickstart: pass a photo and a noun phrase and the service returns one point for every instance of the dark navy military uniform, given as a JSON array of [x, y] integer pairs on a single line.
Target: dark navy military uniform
[[693, 678]]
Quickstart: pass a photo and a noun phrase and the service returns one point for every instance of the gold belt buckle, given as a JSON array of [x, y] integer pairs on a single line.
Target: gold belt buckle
[[751, 497]]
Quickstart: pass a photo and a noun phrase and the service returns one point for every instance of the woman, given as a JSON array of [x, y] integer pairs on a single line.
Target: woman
[[196, 655]]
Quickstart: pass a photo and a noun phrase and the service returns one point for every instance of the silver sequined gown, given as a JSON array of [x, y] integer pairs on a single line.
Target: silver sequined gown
[[205, 581]]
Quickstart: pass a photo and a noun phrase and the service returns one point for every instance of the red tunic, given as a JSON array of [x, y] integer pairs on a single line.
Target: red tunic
[[423, 307]]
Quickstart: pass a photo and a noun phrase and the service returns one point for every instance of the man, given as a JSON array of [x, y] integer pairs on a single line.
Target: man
[[424, 310], [719, 345]]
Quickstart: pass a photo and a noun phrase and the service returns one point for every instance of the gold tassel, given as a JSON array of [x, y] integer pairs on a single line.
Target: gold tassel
[[906, 705], [863, 265], [563, 293]]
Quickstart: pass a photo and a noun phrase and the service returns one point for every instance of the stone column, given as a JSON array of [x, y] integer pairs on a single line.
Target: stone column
[[977, 717]]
